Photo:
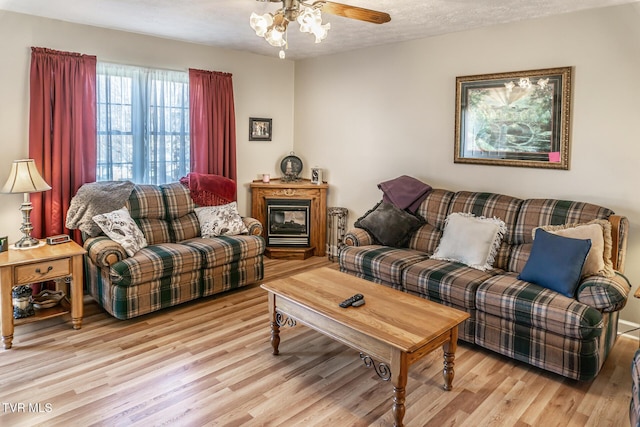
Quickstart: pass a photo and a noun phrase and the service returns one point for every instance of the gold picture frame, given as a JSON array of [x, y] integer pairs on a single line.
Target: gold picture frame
[[514, 119]]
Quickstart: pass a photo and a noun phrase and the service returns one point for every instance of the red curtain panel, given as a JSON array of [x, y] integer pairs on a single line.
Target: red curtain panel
[[213, 123], [62, 133]]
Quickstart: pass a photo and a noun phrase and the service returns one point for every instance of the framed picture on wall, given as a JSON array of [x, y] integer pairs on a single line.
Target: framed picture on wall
[[259, 129], [514, 119]]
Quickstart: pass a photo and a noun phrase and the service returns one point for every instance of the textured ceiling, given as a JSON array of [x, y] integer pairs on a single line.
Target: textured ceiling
[[225, 23]]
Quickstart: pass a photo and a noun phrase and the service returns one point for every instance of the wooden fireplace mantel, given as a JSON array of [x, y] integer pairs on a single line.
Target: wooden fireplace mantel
[[300, 190]]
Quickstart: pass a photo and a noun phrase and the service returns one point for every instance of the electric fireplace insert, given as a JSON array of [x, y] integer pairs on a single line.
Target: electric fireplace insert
[[288, 222]]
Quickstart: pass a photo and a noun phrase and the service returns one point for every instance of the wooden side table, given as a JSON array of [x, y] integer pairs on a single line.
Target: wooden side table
[[48, 262]]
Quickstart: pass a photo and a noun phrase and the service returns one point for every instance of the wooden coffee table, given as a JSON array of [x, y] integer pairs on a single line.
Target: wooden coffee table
[[392, 330]]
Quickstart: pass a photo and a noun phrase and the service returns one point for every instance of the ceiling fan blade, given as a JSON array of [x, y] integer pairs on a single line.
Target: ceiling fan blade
[[354, 12]]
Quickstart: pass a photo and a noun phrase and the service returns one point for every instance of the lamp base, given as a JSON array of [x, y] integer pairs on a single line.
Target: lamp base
[[27, 242]]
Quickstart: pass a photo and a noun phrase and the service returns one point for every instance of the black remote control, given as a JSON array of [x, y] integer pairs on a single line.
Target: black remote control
[[349, 301]]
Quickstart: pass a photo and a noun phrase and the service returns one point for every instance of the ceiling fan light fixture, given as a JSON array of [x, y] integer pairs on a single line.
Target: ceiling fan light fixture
[[261, 23], [273, 27], [308, 17], [275, 37], [310, 20], [321, 32]]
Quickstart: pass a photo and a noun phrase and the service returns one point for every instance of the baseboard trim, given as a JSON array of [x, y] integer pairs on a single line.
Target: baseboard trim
[[628, 329]]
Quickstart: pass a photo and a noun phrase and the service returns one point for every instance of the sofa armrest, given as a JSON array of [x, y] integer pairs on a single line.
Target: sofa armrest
[[358, 237], [254, 226], [103, 251], [619, 234], [606, 294]]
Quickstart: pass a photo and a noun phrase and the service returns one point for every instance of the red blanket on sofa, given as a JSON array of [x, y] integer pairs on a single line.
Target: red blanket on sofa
[[209, 189]]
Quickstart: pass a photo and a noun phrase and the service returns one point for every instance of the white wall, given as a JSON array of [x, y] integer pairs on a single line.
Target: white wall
[[262, 88], [371, 115]]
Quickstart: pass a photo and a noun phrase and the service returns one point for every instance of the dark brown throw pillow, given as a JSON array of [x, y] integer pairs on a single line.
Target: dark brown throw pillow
[[389, 225]]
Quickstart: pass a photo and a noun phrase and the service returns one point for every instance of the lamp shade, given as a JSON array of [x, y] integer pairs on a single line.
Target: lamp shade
[[24, 178]]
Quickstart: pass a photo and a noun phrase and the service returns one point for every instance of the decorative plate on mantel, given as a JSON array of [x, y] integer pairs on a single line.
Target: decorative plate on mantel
[[291, 166]]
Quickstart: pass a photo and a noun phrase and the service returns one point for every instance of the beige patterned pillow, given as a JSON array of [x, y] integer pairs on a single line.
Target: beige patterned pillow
[[598, 260], [223, 220], [120, 227]]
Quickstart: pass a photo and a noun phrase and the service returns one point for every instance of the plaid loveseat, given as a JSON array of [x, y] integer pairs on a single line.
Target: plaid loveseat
[[177, 265], [568, 336]]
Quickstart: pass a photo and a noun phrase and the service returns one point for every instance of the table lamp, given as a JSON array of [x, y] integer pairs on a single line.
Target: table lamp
[[25, 178]]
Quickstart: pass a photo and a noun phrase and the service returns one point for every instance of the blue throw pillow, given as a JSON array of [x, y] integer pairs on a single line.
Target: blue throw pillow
[[556, 262]]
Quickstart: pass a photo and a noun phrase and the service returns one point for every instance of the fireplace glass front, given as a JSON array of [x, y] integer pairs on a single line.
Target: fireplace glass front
[[288, 222]]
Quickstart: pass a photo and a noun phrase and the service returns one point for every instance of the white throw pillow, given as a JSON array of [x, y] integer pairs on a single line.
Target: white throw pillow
[[223, 220], [470, 240], [120, 227]]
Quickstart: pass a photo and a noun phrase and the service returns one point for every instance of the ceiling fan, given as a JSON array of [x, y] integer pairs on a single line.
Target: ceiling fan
[[273, 26]]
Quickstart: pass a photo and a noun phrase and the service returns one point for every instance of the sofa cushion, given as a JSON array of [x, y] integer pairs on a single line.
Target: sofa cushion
[[146, 201], [445, 282], [390, 225], [120, 227], [380, 262], [598, 260], [528, 304], [220, 220], [540, 212], [147, 208], [226, 249], [179, 212], [434, 210], [184, 227], [156, 262], [470, 240], [489, 205], [556, 262], [177, 200]]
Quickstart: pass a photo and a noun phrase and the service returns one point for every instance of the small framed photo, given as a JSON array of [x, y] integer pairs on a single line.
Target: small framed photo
[[260, 129], [316, 175]]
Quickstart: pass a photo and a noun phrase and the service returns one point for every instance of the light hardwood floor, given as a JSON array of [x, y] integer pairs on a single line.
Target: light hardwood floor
[[209, 363]]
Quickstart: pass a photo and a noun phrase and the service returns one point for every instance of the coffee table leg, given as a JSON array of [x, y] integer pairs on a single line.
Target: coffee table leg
[[449, 348], [275, 327], [399, 370], [398, 405], [275, 337]]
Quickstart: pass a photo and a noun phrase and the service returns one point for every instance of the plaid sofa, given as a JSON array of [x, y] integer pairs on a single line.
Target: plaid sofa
[[568, 336], [177, 265], [634, 404]]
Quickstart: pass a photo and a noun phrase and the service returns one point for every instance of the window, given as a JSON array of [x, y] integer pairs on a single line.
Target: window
[[143, 124]]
